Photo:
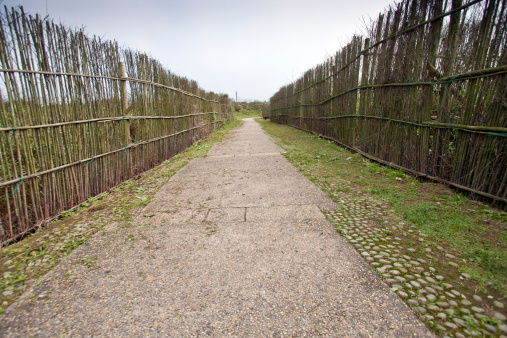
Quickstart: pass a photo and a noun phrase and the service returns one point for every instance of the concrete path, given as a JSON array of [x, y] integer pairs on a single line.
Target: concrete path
[[234, 244]]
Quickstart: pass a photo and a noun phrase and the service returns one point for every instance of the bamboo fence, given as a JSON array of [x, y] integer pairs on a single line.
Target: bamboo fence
[[424, 91], [74, 125]]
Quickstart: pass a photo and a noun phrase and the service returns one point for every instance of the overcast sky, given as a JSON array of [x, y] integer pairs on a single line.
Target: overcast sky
[[252, 47]]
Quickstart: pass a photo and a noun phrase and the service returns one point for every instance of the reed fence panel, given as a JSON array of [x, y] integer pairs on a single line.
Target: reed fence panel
[[424, 91], [80, 115]]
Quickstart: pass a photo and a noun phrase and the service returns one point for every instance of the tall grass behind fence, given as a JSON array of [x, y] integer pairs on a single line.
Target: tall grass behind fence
[[425, 91], [75, 121]]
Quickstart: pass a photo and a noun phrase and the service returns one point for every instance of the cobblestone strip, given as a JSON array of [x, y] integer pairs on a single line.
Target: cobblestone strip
[[418, 272]]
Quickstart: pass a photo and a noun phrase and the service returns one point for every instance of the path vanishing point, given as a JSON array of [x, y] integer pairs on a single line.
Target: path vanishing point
[[234, 244]]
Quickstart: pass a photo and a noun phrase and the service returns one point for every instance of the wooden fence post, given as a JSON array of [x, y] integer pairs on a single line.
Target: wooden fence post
[[124, 106], [124, 100]]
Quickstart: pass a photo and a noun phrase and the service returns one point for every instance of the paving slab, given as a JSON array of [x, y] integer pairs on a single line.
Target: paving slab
[[234, 244]]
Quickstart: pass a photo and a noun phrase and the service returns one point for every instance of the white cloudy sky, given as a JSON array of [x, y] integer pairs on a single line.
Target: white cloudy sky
[[252, 47]]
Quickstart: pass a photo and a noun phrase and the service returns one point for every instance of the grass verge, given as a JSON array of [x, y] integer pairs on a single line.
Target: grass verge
[[471, 231], [24, 262]]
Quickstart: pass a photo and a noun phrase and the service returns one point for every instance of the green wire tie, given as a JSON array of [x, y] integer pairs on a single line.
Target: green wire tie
[[125, 152], [15, 189], [413, 77], [90, 161]]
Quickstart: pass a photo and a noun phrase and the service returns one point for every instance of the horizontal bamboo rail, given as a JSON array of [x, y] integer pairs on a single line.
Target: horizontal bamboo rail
[[476, 74], [498, 131], [408, 171], [102, 119], [104, 77], [89, 159]]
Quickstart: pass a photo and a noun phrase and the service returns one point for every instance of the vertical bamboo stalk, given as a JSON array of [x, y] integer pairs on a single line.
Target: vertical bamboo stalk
[[434, 41], [364, 78], [451, 46]]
